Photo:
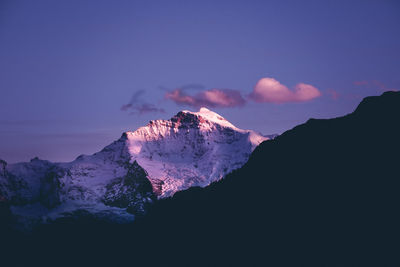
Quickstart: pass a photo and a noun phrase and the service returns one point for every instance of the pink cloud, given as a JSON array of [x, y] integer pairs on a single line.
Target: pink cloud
[[210, 98], [379, 85], [374, 84], [361, 83], [271, 91], [333, 94]]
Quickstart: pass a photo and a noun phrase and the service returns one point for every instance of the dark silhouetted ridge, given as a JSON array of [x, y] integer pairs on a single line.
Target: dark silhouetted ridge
[[324, 193]]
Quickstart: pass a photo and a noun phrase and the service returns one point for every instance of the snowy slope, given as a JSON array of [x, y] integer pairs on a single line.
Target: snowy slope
[[190, 149], [157, 160]]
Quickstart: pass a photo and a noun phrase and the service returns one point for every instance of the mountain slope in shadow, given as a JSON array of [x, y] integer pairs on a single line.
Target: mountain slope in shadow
[[326, 191]]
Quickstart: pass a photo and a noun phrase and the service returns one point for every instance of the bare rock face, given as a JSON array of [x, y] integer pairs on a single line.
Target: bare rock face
[[3, 180], [133, 191], [3, 165]]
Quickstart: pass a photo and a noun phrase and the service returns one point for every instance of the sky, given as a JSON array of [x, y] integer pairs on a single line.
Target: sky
[[74, 75]]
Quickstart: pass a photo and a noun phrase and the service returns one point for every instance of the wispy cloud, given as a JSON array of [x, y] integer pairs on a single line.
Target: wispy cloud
[[212, 98], [361, 83], [137, 106], [269, 90], [333, 94], [375, 84]]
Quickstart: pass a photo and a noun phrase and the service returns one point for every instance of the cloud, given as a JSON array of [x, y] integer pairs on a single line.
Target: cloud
[[137, 106], [361, 83], [375, 84], [269, 90], [333, 94], [212, 98]]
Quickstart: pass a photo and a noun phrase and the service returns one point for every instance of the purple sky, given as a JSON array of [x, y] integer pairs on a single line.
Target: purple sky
[[75, 74]]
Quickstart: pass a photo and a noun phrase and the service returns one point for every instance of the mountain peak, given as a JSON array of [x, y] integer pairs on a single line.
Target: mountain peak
[[204, 110], [190, 149], [156, 160], [204, 114]]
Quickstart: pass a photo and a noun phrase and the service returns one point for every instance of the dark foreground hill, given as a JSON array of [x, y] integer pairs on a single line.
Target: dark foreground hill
[[325, 193]]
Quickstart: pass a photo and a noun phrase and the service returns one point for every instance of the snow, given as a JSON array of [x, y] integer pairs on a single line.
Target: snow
[[196, 152], [190, 149], [212, 117]]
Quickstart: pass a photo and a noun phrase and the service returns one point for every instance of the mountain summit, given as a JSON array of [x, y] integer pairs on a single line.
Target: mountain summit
[[155, 161], [190, 149]]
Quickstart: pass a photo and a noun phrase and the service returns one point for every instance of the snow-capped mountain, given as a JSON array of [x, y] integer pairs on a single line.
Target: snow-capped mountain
[[155, 161], [190, 149]]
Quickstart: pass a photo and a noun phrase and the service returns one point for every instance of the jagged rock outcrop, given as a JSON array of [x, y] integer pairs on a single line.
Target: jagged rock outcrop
[[133, 191]]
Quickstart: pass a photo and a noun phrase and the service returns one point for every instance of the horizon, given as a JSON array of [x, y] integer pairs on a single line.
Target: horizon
[[76, 75], [122, 134]]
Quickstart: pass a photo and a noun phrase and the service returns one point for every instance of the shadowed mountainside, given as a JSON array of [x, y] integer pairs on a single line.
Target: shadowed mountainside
[[324, 192]]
